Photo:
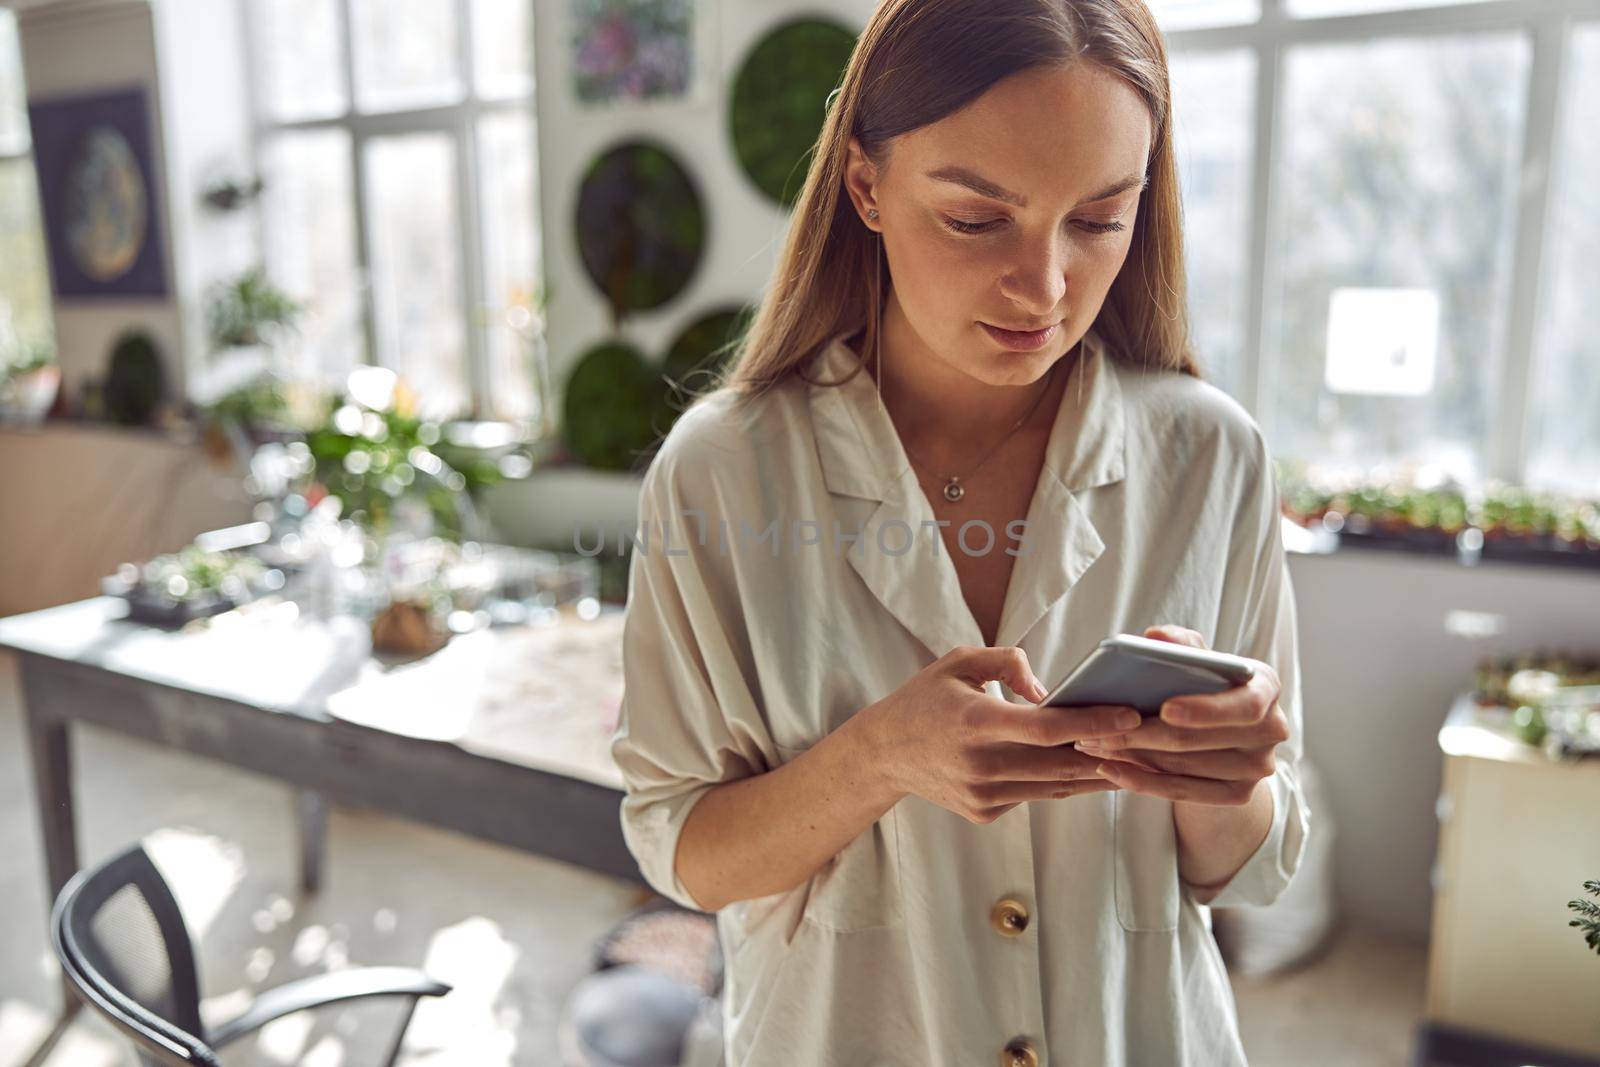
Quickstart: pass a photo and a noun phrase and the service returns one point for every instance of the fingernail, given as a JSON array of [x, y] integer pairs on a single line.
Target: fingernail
[[1127, 720], [1105, 770], [1174, 712]]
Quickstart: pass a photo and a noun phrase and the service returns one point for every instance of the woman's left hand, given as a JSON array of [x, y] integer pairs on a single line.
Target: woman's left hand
[[1212, 748]]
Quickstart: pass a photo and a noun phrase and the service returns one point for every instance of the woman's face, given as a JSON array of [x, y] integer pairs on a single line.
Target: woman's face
[[1016, 211]]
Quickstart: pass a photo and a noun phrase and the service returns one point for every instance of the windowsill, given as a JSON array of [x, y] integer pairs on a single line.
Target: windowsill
[[1505, 550]]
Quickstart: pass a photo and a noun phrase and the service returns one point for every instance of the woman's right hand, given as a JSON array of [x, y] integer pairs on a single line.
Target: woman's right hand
[[943, 737]]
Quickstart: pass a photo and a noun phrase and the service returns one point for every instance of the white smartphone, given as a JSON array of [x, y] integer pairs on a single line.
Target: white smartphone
[[1144, 673]]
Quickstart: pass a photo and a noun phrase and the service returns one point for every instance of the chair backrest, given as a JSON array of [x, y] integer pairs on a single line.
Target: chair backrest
[[121, 941]]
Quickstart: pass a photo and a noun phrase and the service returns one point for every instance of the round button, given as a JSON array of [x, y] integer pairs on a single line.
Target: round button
[[1019, 1054], [1009, 916]]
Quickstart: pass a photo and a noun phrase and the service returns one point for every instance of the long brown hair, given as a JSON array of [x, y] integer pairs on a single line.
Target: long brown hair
[[916, 62]]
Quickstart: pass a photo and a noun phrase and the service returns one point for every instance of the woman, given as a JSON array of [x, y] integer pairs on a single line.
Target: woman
[[899, 500]]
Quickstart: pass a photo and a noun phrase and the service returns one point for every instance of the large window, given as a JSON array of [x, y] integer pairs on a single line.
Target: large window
[[398, 149], [1393, 229], [24, 276], [1565, 449]]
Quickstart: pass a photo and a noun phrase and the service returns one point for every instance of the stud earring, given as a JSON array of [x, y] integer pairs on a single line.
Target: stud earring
[[872, 212]]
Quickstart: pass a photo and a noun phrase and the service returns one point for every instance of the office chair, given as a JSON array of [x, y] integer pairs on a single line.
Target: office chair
[[122, 944]]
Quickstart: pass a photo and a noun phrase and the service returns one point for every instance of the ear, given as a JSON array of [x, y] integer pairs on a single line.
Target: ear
[[860, 182]]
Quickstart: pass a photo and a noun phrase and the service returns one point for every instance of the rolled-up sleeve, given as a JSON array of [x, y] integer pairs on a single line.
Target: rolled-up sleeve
[[1258, 620], [689, 718]]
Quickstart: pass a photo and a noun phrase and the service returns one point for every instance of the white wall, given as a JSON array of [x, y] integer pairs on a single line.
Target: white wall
[[744, 228], [75, 48], [1380, 672], [188, 55]]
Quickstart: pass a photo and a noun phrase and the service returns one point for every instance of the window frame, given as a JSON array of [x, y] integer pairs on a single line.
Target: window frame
[[1547, 25], [459, 120]]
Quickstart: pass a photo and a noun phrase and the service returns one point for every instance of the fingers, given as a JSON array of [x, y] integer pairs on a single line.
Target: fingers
[[1238, 706], [1030, 763], [1008, 663], [1226, 765], [1180, 787], [1179, 635], [1046, 725], [993, 800], [1163, 736]]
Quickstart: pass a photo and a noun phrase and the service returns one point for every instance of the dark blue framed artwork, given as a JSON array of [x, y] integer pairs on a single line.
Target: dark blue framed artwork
[[98, 191]]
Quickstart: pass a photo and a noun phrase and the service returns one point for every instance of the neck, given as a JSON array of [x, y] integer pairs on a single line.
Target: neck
[[940, 411]]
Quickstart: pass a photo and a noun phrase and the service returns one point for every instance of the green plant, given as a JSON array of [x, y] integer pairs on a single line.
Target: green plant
[[25, 359], [135, 382], [1588, 913], [374, 458], [245, 309]]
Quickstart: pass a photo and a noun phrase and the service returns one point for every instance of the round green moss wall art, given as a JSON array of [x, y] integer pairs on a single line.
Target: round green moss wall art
[[619, 407], [610, 406], [780, 96], [640, 227], [701, 352]]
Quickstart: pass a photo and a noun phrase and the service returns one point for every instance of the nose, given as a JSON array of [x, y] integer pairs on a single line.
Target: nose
[[1037, 280]]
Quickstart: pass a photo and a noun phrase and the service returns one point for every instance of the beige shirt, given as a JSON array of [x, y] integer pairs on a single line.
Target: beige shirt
[[744, 645]]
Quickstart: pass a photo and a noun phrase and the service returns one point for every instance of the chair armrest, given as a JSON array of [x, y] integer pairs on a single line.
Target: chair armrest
[[323, 989]]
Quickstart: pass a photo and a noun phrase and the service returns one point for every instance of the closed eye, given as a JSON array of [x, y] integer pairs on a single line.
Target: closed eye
[[959, 226]]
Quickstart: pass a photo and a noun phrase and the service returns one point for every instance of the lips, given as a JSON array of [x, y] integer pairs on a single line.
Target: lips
[[1022, 340]]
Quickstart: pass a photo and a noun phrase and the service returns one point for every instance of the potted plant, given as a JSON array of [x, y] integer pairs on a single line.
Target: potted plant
[[29, 380], [249, 311]]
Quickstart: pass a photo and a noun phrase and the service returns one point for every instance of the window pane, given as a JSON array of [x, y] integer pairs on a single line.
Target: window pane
[[1213, 106], [1315, 8], [24, 277], [1399, 163], [416, 265], [406, 53], [510, 195], [302, 57], [1565, 451], [1194, 14], [502, 47], [311, 249], [13, 101]]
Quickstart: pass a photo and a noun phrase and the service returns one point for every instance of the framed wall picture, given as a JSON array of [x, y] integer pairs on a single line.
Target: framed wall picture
[[98, 189]]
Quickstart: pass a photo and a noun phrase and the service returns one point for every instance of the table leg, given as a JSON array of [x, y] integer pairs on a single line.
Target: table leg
[[50, 753], [311, 812]]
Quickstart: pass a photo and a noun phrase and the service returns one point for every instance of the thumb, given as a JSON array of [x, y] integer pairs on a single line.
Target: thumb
[[1178, 635]]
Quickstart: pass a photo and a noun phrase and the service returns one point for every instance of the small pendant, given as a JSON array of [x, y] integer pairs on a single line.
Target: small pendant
[[953, 490]]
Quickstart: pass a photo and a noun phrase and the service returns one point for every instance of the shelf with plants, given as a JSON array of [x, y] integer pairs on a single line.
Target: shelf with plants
[[1497, 521]]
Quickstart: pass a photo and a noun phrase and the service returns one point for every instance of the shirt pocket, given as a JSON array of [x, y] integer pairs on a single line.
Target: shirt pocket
[[859, 888], [1144, 862]]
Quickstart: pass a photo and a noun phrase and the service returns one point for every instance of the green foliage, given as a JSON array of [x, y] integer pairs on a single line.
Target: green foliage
[[1501, 509], [610, 405], [25, 359], [1588, 913], [258, 403], [372, 459], [780, 98], [617, 406], [135, 381], [244, 310]]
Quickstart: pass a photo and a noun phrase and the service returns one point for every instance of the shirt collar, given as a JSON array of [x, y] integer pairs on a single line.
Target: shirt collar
[[862, 458]]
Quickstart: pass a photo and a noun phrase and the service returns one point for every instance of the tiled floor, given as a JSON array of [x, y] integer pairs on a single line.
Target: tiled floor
[[511, 932]]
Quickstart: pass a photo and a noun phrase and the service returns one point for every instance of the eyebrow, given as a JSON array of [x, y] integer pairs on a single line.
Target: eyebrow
[[984, 187]]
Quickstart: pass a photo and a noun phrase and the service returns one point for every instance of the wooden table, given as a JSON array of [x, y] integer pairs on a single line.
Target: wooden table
[[1509, 982], [503, 734]]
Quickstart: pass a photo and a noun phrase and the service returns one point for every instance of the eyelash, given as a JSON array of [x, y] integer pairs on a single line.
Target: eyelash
[[958, 226]]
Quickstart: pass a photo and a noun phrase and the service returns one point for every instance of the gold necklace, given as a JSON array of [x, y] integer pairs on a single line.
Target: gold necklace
[[953, 490]]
